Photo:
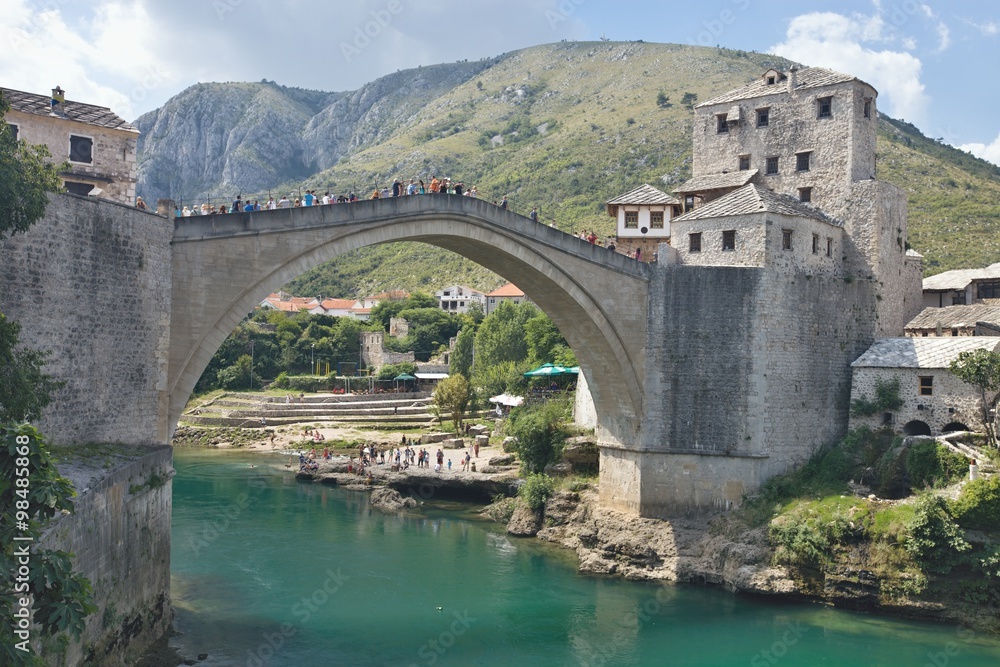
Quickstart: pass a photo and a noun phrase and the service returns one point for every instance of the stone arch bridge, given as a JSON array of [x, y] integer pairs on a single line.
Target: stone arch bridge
[[225, 265]]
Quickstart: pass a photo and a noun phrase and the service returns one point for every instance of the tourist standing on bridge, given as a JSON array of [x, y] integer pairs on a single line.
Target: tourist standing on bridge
[[396, 185], [503, 203], [534, 214]]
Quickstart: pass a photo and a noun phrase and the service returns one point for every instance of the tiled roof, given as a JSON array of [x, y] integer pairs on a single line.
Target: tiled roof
[[959, 279], [951, 317], [922, 352], [810, 77], [753, 199], [508, 290], [644, 194], [708, 182], [338, 304], [41, 105]]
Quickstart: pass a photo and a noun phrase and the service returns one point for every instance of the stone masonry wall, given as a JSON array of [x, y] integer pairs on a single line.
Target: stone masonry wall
[[90, 284], [750, 373], [120, 535], [952, 400]]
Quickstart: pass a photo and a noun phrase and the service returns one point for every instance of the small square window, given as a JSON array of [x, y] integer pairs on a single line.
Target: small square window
[[631, 219], [802, 161], [744, 163], [954, 332], [829, 247], [689, 203], [825, 107], [763, 117], [815, 244], [721, 124], [81, 149], [786, 239], [887, 419], [772, 166], [770, 80], [82, 189], [656, 219], [805, 195], [14, 130], [694, 242], [926, 385], [729, 240]]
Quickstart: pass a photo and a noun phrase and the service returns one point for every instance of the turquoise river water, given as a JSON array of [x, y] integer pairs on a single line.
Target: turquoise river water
[[270, 571]]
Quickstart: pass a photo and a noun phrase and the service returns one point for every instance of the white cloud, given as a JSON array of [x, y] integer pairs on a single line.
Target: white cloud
[[990, 152], [988, 28], [844, 43], [104, 57]]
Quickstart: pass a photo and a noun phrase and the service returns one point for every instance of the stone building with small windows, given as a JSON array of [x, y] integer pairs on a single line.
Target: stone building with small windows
[[934, 401], [98, 146], [980, 319], [962, 287], [642, 220]]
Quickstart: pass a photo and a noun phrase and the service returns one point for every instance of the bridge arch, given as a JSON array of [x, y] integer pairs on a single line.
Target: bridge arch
[[224, 265]]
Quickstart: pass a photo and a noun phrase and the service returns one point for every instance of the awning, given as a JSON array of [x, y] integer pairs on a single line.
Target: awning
[[431, 376]]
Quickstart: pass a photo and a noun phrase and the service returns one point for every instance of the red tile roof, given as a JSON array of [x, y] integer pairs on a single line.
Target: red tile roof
[[509, 290]]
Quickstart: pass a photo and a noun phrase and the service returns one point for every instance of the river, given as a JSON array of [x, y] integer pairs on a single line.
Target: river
[[270, 571]]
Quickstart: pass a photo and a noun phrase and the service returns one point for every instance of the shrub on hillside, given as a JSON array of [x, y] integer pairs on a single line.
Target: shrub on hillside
[[978, 507], [930, 464], [536, 489], [934, 539]]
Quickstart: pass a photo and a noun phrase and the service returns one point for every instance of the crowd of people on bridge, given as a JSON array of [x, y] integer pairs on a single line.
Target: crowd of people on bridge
[[312, 198]]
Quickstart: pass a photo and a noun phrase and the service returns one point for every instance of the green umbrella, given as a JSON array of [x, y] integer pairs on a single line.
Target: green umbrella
[[546, 370], [404, 376]]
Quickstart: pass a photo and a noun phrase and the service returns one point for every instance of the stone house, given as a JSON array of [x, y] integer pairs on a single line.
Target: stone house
[[373, 352], [981, 319], [934, 401], [458, 299], [509, 292], [962, 287], [335, 307], [643, 219], [98, 147], [372, 301]]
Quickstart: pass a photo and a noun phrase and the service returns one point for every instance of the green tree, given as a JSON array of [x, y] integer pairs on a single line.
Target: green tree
[[461, 356], [545, 343], [981, 368], [540, 433], [25, 179], [386, 310], [502, 336], [453, 394], [24, 389], [662, 100]]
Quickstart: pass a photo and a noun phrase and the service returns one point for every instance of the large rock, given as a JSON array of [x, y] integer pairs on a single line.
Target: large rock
[[483, 440], [430, 438], [525, 522], [454, 443], [385, 499], [506, 460], [582, 454]]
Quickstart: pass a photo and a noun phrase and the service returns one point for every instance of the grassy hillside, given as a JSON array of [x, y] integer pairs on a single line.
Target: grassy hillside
[[566, 126]]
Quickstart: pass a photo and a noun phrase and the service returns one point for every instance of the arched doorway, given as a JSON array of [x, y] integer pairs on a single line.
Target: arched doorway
[[954, 427], [916, 427]]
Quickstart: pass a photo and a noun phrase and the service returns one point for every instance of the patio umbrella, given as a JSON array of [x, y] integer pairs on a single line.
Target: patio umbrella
[[404, 376], [546, 370]]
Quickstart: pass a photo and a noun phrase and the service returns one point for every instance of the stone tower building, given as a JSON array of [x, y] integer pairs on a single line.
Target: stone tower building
[[810, 134]]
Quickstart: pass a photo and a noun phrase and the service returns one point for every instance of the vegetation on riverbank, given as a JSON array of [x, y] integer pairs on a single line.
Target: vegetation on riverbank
[[876, 520]]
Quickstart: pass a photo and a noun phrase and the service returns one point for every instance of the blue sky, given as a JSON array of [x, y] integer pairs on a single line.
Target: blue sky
[[933, 62]]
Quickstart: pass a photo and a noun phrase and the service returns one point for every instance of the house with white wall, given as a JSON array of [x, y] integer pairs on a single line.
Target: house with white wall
[[643, 219]]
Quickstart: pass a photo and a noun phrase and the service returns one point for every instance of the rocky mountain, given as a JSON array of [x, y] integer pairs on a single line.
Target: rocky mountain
[[563, 127]]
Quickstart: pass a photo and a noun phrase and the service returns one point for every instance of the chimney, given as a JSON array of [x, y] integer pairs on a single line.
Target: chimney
[[58, 101], [793, 78]]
